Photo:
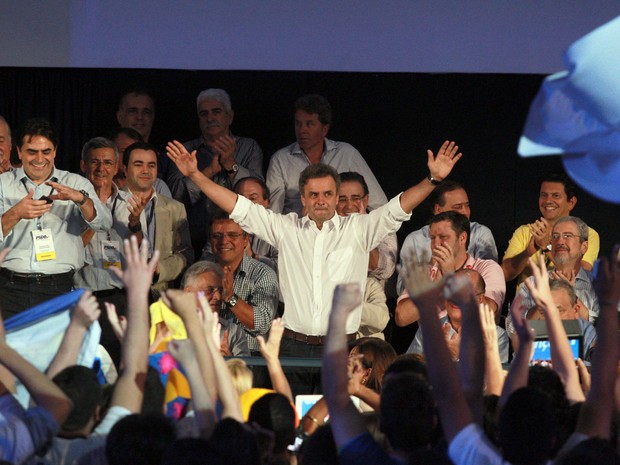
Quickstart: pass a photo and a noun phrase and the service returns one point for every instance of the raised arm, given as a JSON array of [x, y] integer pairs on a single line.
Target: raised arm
[[519, 368], [136, 278], [561, 354], [84, 314], [493, 375], [188, 166], [471, 357], [270, 351], [595, 414], [440, 167], [346, 421], [426, 294]]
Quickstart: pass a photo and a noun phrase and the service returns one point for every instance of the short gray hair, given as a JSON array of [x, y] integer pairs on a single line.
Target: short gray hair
[[582, 227], [198, 268], [216, 94], [98, 143], [560, 284]]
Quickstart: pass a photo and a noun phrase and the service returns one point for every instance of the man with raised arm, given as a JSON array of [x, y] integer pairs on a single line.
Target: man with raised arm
[[321, 249]]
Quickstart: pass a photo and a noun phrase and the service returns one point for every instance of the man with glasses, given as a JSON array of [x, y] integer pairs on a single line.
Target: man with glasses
[[557, 198], [250, 288], [569, 245], [205, 277]]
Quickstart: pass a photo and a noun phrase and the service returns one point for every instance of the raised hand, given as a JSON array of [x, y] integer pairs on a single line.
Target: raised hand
[[138, 274], [416, 276], [453, 341], [182, 351], [441, 165], [182, 303], [119, 324], [270, 350], [347, 297], [186, 162], [86, 311], [539, 288], [524, 332]]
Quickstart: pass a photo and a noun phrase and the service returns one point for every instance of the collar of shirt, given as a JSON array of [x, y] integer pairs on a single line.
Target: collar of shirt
[[333, 223], [153, 195], [20, 175], [329, 145]]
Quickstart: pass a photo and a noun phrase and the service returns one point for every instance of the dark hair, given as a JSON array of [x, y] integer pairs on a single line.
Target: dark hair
[[527, 427], [319, 170], [320, 448], [408, 415], [408, 363], [447, 185], [80, 384], [154, 392], [191, 451], [378, 355], [139, 439], [137, 146], [257, 180], [129, 132], [274, 412], [37, 127], [314, 103], [136, 91], [235, 443], [460, 223], [569, 186], [354, 176]]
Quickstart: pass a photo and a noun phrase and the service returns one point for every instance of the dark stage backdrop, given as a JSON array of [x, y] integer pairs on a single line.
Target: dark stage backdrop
[[392, 118]]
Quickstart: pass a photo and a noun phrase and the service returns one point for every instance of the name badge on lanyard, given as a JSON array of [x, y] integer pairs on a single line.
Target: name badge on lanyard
[[43, 241], [111, 252]]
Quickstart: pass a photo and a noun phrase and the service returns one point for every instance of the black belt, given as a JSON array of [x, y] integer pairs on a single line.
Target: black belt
[[34, 277], [311, 340], [109, 292]]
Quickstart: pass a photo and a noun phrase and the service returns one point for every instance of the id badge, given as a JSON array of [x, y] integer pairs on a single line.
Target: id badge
[[43, 244], [111, 252]]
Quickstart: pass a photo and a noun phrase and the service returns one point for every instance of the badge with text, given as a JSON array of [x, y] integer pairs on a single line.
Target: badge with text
[[111, 252], [43, 244]]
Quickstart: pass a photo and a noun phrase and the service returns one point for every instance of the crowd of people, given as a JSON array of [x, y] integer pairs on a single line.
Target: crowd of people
[[190, 254]]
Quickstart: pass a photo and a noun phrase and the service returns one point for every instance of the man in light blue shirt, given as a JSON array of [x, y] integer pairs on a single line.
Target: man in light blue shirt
[[43, 211]]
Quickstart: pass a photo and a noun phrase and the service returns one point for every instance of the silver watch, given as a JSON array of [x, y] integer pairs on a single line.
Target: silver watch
[[230, 303], [84, 199]]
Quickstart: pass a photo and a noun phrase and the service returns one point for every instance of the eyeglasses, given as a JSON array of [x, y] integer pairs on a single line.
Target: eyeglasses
[[229, 235], [566, 236], [210, 290], [107, 163]]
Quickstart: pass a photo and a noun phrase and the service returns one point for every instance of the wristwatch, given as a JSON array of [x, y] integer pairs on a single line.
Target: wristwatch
[[84, 199], [230, 303], [233, 169], [432, 180]]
